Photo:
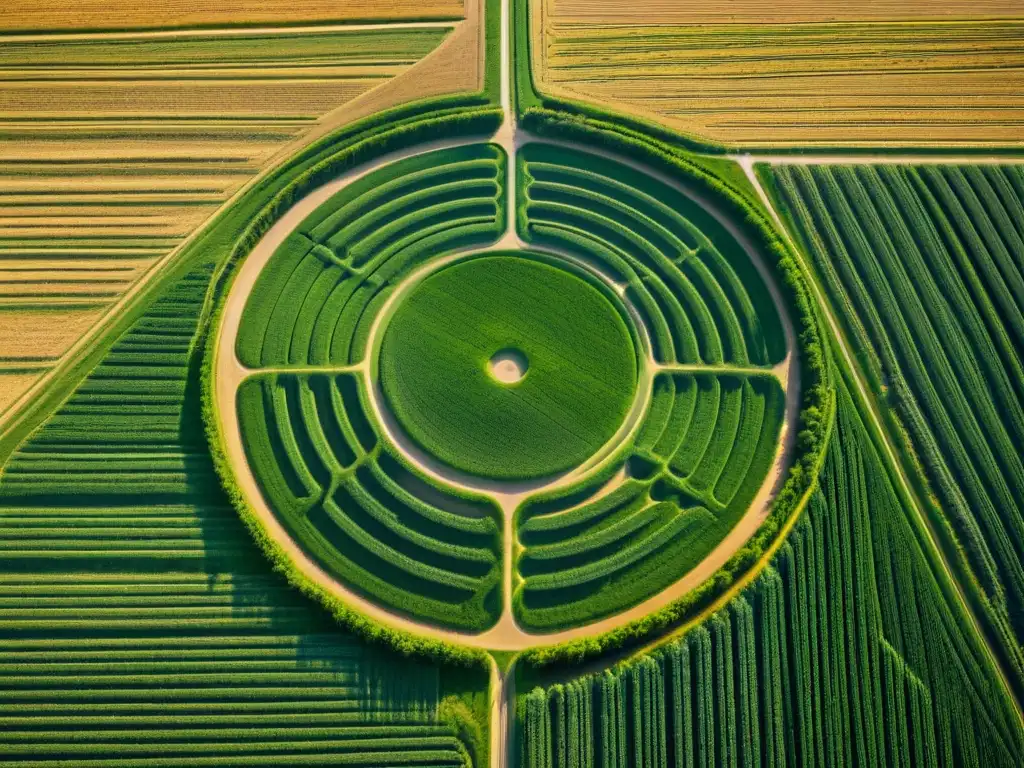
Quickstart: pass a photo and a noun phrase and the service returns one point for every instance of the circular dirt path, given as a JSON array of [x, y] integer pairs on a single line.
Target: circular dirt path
[[506, 635]]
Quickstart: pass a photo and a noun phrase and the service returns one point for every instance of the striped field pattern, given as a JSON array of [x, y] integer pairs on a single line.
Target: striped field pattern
[[795, 74], [115, 147], [139, 623], [845, 651]]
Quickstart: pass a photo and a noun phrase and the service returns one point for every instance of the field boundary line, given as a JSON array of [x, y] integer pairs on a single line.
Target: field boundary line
[[198, 32], [878, 158], [16, 411]]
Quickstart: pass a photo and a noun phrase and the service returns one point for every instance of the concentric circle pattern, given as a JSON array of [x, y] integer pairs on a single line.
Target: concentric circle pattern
[[508, 431], [581, 373]]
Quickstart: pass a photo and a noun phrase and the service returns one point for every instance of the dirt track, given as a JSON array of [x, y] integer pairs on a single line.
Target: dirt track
[[506, 634]]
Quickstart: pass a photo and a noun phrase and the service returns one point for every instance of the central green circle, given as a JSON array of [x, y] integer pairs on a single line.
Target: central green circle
[[445, 334]]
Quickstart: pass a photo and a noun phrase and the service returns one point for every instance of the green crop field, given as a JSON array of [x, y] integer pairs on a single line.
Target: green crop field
[[344, 495], [338, 261], [579, 378], [642, 419], [139, 624], [926, 266], [393, 383], [697, 289], [711, 430], [847, 650]]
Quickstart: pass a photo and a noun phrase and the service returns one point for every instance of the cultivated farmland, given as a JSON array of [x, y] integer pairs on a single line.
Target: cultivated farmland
[[716, 409], [116, 147], [139, 624], [364, 401], [642, 424], [848, 650], [35, 15], [576, 386], [924, 265], [800, 74], [312, 444]]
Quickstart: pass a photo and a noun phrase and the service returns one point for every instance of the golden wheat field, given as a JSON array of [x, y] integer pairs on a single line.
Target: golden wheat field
[[820, 73], [116, 146], [122, 14]]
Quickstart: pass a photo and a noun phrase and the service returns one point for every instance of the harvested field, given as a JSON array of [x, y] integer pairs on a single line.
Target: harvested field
[[28, 334], [789, 12], [12, 384], [815, 75], [36, 15], [115, 147]]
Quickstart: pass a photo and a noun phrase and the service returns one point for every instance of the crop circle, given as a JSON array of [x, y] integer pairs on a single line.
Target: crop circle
[[442, 338], [506, 421]]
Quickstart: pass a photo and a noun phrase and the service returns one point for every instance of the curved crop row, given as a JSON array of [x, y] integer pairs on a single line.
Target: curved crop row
[[344, 496], [344, 256], [700, 295], [699, 459], [360, 511], [710, 433], [708, 438]]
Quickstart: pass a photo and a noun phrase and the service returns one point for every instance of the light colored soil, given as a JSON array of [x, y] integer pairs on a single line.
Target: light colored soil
[[508, 367], [789, 12], [41, 334], [503, 708], [933, 76]]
